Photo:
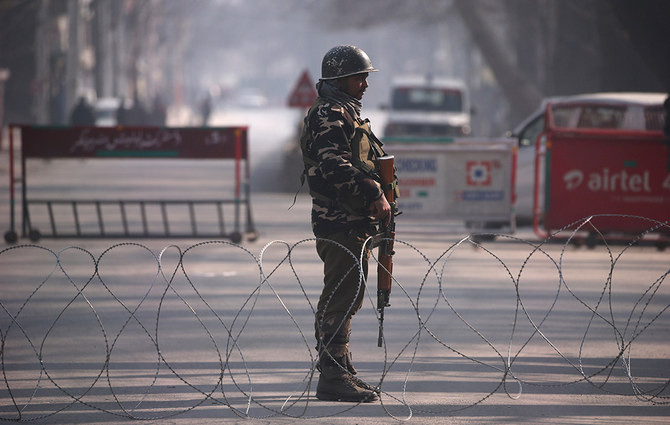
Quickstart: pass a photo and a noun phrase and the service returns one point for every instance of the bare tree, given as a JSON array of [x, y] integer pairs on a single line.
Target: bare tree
[[539, 48], [645, 24], [520, 90]]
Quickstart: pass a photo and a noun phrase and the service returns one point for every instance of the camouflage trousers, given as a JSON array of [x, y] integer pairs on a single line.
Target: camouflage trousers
[[343, 290]]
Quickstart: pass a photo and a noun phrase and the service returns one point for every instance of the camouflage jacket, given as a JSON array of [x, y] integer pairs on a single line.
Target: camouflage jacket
[[341, 192]]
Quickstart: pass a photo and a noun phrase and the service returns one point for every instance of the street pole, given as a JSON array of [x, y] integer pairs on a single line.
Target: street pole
[[4, 76], [41, 83], [72, 66]]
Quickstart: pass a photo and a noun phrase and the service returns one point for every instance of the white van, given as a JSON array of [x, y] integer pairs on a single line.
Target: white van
[[428, 107], [105, 111]]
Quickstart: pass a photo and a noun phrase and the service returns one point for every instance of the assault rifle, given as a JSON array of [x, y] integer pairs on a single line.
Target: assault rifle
[[384, 240]]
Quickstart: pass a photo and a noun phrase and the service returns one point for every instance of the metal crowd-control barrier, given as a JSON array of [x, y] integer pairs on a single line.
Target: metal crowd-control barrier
[[129, 218]]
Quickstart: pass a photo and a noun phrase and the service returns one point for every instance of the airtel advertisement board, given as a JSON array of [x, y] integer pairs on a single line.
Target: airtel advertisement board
[[607, 172]]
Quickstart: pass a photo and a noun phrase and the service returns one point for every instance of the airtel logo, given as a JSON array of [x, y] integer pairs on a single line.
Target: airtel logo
[[606, 181], [573, 179]]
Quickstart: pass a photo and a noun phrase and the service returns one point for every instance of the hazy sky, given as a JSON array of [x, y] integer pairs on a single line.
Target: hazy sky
[[266, 45]]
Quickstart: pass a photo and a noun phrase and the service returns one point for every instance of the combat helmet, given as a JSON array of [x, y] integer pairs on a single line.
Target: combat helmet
[[343, 61]]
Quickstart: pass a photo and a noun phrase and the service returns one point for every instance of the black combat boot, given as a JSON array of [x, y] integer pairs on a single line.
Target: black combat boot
[[336, 383], [353, 371]]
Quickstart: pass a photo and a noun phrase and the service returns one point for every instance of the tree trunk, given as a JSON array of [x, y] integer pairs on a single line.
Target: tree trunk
[[520, 90]]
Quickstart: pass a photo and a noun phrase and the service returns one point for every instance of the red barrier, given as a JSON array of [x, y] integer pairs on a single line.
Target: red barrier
[[603, 172], [133, 142], [120, 142]]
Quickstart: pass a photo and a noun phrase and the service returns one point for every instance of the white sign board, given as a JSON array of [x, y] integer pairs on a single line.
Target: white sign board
[[466, 179]]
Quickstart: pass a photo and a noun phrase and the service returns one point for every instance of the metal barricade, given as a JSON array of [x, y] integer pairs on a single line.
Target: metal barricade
[[131, 218]]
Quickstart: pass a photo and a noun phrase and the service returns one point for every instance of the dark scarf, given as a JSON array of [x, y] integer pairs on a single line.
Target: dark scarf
[[328, 89]]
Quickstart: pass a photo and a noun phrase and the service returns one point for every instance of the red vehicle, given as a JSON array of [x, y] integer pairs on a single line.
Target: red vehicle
[[600, 174], [622, 111]]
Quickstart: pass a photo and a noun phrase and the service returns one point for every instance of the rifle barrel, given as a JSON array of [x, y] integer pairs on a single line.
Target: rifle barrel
[[386, 169]]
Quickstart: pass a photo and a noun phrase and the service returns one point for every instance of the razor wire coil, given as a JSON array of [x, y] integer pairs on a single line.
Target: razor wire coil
[[171, 275]]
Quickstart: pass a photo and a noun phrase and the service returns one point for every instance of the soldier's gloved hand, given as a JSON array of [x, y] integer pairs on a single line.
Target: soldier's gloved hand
[[381, 210]]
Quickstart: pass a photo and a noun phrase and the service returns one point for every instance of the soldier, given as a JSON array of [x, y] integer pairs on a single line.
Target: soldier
[[338, 151]]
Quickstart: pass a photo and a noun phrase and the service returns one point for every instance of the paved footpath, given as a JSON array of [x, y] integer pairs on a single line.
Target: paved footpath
[[193, 331]]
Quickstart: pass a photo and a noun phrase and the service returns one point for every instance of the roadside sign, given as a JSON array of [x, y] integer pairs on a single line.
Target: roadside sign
[[304, 94], [469, 179]]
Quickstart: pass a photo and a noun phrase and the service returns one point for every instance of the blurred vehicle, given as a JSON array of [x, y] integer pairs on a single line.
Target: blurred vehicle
[[428, 107], [250, 98], [106, 111], [624, 110]]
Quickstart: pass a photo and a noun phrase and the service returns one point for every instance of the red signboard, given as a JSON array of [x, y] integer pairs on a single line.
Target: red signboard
[[592, 172], [164, 142], [304, 94]]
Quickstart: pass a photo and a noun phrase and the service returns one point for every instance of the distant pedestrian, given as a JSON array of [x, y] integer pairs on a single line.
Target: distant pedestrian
[[82, 114], [666, 116], [158, 114], [205, 109], [122, 114], [137, 115], [666, 128]]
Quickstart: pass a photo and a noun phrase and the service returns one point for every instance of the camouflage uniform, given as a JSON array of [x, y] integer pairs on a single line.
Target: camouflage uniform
[[342, 191]]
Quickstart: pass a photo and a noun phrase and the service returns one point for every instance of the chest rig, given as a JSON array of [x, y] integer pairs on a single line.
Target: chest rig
[[365, 148]]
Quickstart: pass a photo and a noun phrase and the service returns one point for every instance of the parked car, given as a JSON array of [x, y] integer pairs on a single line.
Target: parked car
[[624, 110], [106, 111], [428, 107]]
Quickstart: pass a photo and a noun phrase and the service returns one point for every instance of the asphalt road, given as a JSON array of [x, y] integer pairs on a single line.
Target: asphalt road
[[198, 330]]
